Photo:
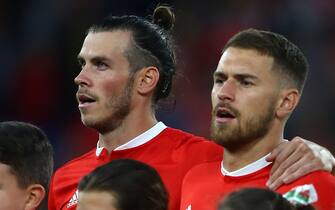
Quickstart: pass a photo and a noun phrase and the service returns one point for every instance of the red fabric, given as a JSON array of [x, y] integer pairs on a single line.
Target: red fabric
[[172, 153], [204, 186]]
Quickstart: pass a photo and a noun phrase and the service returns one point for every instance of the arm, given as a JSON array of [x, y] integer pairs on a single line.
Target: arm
[[295, 158]]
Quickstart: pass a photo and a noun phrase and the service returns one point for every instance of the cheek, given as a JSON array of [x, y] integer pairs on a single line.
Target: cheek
[[108, 88], [256, 107], [111, 87], [213, 98], [12, 199], [253, 101], [252, 109]]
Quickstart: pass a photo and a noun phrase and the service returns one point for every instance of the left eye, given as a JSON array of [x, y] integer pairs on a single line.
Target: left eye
[[246, 83], [101, 66]]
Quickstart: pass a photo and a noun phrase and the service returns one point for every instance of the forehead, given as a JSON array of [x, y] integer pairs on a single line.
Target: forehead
[[98, 200], [105, 43], [6, 175], [238, 60], [5, 169]]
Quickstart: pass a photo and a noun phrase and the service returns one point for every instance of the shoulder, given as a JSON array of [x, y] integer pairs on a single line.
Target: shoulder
[[193, 146], [321, 177], [203, 171], [320, 180], [65, 180], [202, 178], [317, 188], [180, 134], [183, 138], [76, 163]]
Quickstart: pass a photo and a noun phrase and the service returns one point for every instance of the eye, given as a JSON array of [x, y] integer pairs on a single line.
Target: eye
[[246, 83], [218, 81], [81, 62], [101, 66]]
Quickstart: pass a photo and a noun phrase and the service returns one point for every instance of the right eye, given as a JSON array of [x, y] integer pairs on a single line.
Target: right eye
[[81, 62], [101, 65], [218, 81]]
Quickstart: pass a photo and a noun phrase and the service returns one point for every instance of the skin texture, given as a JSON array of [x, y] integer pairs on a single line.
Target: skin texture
[[15, 197], [96, 200], [104, 78], [246, 86], [297, 158], [11, 195], [259, 103], [239, 91], [111, 99]]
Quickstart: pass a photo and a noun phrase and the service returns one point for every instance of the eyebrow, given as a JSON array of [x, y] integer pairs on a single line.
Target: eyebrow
[[219, 74], [248, 76], [238, 76], [95, 58]]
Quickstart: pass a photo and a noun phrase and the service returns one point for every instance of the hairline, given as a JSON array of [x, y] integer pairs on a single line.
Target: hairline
[[284, 80]]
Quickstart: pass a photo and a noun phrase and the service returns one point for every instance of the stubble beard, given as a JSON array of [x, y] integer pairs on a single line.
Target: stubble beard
[[235, 137], [121, 108]]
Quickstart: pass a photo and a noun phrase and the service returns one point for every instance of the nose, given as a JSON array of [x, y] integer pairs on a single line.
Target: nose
[[227, 91], [82, 79]]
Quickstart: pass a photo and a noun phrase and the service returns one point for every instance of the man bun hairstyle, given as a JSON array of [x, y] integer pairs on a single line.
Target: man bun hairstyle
[[164, 17], [152, 44]]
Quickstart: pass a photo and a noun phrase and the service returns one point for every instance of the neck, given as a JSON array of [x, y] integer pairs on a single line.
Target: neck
[[234, 159], [133, 125]]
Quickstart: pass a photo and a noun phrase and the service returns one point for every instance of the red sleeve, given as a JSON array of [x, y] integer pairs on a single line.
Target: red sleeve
[[51, 202], [325, 187], [317, 187]]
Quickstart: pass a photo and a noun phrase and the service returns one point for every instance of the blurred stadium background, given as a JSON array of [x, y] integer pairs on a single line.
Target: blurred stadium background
[[39, 42]]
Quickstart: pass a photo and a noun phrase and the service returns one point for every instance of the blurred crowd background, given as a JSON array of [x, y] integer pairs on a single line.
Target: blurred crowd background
[[40, 40]]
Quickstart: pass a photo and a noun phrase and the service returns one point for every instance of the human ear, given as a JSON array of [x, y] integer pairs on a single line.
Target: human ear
[[147, 79], [35, 195], [289, 99]]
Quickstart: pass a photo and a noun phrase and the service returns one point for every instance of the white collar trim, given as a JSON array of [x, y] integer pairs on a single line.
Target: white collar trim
[[138, 140], [248, 169]]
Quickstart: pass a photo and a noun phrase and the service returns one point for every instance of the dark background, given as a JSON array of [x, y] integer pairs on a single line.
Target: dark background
[[40, 39]]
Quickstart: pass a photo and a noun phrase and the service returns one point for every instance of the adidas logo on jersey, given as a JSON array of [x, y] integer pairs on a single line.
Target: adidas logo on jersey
[[73, 201]]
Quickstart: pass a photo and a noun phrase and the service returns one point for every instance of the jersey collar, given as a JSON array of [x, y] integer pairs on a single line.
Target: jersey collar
[[248, 169], [138, 140]]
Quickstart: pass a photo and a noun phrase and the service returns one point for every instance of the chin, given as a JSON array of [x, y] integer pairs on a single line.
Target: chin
[[221, 140], [89, 122], [225, 137]]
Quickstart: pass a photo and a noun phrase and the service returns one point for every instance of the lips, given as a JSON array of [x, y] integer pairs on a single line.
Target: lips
[[224, 114], [85, 99]]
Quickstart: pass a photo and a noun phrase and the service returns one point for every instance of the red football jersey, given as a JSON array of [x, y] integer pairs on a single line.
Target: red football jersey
[[170, 151], [206, 184]]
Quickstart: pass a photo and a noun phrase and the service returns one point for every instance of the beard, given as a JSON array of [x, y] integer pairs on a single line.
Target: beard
[[234, 137], [120, 104]]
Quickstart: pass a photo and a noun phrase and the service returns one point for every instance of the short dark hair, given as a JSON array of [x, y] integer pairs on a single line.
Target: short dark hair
[[27, 150], [258, 199], [152, 44], [135, 185], [289, 60]]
